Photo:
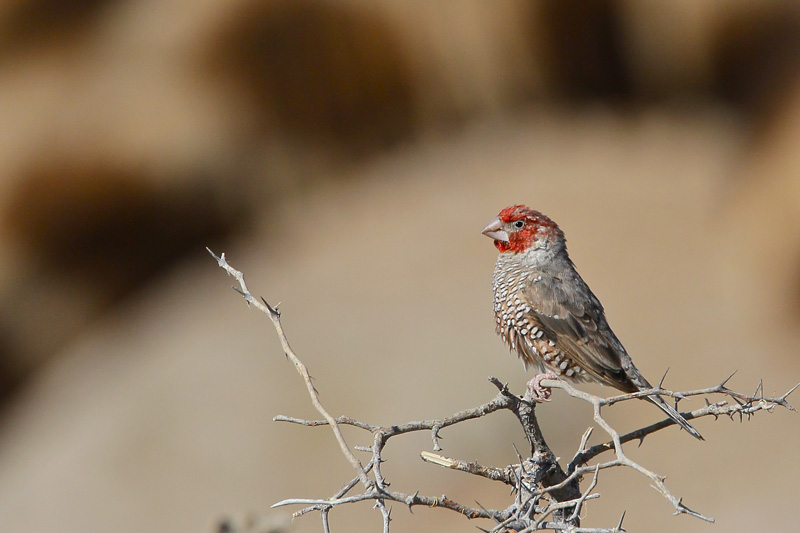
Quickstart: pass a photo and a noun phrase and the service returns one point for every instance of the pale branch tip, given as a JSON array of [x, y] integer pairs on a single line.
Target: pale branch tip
[[537, 479], [303, 371]]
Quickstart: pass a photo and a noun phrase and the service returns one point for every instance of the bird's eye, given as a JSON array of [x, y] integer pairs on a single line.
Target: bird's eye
[[519, 224]]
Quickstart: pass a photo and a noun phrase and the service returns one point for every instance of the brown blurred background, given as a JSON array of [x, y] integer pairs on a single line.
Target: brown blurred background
[[345, 155]]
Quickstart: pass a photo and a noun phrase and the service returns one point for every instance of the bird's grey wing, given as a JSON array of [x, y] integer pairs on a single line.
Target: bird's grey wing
[[571, 316]]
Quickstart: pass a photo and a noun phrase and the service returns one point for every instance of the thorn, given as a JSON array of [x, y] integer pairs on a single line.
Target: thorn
[[783, 398], [760, 387], [661, 382], [621, 518], [410, 501], [519, 456], [641, 441], [273, 310], [246, 296], [479, 505], [722, 385]]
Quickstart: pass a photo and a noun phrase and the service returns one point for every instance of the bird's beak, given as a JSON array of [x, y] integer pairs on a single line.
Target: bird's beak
[[493, 230]]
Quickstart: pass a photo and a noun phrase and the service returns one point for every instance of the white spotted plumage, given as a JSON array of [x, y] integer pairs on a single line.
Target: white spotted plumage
[[548, 316]]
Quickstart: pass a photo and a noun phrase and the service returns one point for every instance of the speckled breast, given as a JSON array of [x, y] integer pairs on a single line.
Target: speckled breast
[[516, 324]]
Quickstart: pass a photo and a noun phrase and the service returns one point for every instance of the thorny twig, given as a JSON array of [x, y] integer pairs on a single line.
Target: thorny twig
[[532, 479], [275, 316]]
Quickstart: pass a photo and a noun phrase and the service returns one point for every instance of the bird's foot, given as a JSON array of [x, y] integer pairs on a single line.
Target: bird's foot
[[538, 392]]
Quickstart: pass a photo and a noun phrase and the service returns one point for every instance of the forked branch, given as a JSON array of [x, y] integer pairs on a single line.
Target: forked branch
[[545, 495]]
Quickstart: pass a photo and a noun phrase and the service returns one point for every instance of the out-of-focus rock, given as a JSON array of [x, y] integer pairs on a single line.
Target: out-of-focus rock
[[582, 45], [29, 24], [761, 221], [90, 232], [320, 72], [756, 58]]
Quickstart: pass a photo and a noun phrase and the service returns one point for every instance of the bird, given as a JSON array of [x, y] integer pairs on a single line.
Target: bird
[[548, 316]]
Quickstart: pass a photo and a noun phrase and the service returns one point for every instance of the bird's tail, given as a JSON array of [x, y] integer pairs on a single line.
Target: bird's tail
[[675, 415]]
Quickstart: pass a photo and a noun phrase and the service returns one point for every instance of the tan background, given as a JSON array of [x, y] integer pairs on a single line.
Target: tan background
[[345, 156]]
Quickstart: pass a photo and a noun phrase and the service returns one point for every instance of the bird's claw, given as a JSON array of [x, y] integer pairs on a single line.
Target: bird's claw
[[539, 393]]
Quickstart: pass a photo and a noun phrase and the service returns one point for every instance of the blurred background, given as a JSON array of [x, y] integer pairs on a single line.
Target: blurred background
[[345, 155]]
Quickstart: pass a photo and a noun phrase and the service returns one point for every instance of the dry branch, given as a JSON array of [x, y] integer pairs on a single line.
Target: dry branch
[[545, 495]]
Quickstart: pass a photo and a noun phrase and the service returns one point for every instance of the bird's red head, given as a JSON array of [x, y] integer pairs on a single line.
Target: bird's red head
[[516, 228]]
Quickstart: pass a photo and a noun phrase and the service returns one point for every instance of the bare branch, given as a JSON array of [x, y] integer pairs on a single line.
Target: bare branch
[[539, 478], [275, 316], [585, 495], [504, 475], [622, 459], [747, 406]]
